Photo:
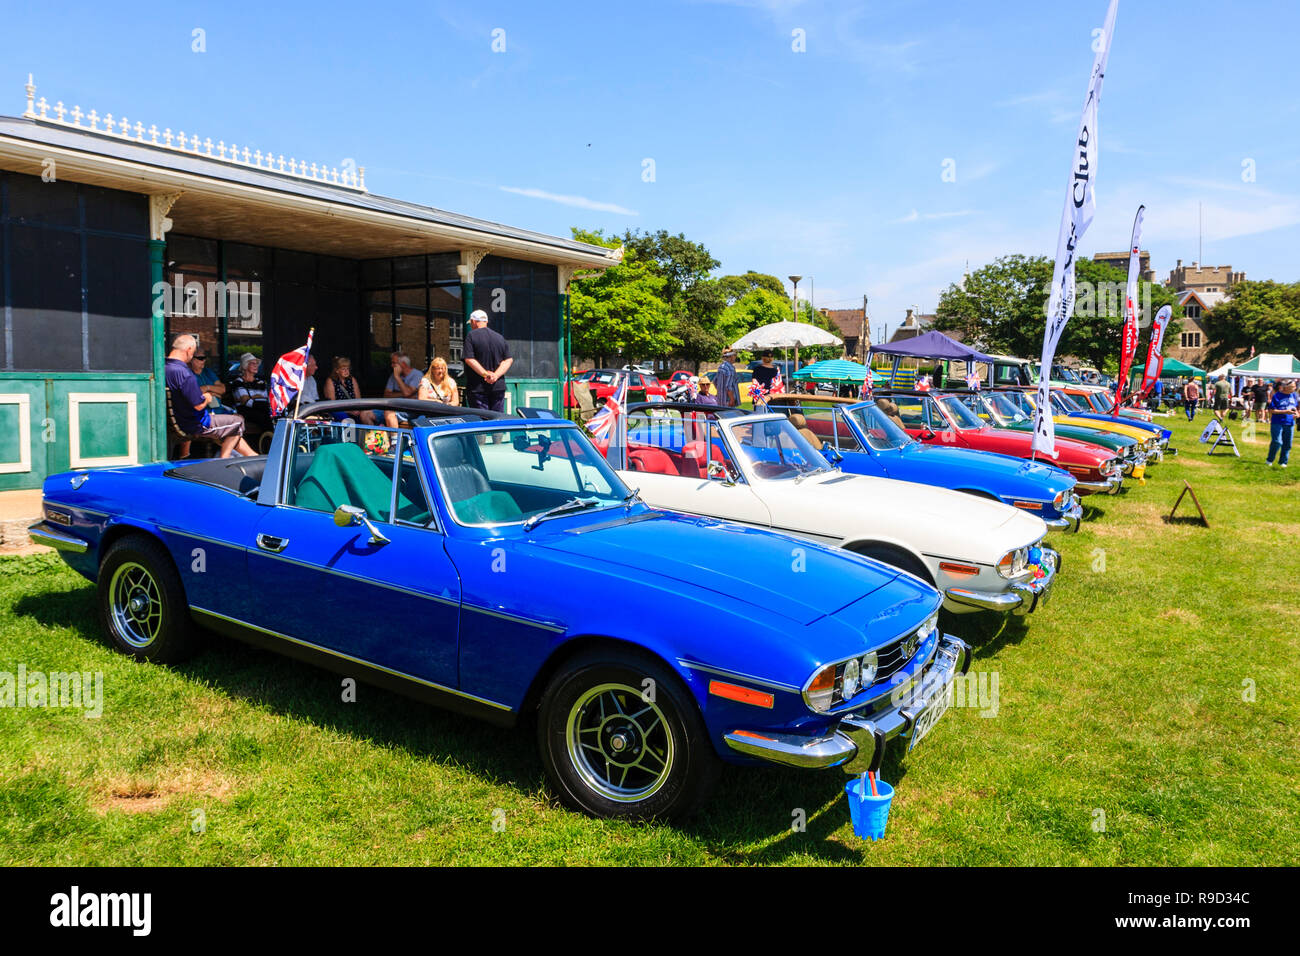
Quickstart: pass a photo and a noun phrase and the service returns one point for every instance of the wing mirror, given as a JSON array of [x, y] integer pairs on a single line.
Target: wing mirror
[[345, 516], [926, 435], [833, 455], [718, 472]]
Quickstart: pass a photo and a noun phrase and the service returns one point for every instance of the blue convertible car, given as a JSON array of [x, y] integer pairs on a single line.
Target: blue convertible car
[[866, 441], [518, 577]]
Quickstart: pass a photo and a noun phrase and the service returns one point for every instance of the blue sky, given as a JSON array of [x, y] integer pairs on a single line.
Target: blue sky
[[828, 163]]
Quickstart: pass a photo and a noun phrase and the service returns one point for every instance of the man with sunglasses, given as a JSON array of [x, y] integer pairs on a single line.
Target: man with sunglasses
[[209, 383]]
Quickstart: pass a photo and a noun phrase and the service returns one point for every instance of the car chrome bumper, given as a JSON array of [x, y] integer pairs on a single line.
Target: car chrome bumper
[[1137, 464], [42, 533], [1022, 597], [1109, 485], [1072, 514], [857, 744]]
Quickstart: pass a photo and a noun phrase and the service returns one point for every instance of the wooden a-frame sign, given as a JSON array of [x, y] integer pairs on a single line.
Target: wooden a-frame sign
[[1187, 489]]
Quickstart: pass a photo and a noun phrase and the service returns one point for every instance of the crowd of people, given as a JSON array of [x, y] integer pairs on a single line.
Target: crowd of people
[[231, 412]]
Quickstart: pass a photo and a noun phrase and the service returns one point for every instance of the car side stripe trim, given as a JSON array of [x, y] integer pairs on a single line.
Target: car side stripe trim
[[514, 618], [356, 660], [738, 675]]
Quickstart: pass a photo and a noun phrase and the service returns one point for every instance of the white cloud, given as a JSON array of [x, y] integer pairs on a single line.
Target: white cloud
[[581, 202], [915, 216]]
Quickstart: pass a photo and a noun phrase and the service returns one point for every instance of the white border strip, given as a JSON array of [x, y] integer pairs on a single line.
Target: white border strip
[[75, 401], [24, 462]]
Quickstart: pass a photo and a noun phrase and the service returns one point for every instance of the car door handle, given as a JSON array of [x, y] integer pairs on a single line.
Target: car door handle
[[269, 542]]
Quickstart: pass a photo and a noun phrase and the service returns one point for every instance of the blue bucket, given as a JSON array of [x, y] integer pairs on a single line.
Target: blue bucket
[[869, 814]]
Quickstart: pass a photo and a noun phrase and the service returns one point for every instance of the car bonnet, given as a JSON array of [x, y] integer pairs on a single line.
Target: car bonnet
[[777, 574]]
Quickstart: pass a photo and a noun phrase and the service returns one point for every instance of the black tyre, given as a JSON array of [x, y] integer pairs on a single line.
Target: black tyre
[[615, 746], [141, 602]]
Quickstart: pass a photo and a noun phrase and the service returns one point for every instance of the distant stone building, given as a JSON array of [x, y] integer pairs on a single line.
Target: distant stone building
[[914, 323], [853, 328], [1199, 289], [1120, 261], [1215, 280]]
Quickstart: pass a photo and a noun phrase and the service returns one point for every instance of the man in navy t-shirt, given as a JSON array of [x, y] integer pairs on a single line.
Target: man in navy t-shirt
[[487, 359], [190, 403], [1282, 412]]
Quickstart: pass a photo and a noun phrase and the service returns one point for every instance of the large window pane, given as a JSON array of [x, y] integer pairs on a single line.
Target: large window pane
[[45, 270], [111, 210], [119, 305], [34, 202]]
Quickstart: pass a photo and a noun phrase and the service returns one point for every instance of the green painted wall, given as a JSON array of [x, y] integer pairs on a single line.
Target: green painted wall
[[87, 415]]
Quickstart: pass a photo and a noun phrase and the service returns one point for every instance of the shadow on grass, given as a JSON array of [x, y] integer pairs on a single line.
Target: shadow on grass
[[751, 804], [986, 632]]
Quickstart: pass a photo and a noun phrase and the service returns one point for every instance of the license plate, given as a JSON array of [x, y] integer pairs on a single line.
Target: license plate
[[936, 708]]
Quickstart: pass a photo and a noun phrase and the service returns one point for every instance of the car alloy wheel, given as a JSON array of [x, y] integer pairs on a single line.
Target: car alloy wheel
[[621, 736], [619, 743], [135, 605], [141, 601]]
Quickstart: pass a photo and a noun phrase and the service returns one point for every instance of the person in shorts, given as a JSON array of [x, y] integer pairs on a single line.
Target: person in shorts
[[190, 403]]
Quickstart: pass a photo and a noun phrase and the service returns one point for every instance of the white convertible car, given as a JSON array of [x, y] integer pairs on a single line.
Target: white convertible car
[[758, 469]]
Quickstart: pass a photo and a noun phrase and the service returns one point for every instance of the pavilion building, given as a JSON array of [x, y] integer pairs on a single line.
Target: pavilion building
[[115, 236]]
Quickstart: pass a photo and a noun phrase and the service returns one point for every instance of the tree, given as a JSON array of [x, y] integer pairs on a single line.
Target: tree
[[1002, 307], [757, 307], [734, 287], [679, 261], [1263, 314], [621, 311]]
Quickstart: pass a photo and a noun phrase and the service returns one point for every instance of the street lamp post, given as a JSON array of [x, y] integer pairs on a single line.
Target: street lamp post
[[794, 314]]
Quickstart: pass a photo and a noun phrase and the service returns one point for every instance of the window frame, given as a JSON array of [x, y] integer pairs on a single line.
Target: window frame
[[433, 524]]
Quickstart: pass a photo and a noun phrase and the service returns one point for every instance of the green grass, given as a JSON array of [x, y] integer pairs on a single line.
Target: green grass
[[1123, 695]]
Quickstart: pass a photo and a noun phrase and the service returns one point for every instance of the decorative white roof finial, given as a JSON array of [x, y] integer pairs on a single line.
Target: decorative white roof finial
[[350, 177]]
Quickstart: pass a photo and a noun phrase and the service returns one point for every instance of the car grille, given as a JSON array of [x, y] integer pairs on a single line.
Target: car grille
[[891, 660]]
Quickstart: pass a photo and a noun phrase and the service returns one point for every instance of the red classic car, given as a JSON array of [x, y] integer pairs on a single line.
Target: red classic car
[[938, 418], [602, 381]]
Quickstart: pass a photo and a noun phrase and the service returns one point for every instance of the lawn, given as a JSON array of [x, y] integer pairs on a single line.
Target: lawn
[[1147, 715]]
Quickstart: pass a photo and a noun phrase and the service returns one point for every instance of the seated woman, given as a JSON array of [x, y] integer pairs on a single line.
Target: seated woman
[[250, 394], [341, 386], [438, 386]]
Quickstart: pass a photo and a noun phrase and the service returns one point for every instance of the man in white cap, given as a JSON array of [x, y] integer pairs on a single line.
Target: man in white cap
[[487, 359]]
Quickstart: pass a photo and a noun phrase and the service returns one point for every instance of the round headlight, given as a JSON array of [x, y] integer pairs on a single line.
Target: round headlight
[[852, 678], [1061, 500], [870, 665]]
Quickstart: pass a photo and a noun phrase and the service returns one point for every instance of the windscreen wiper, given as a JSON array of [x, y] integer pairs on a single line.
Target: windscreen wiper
[[573, 504]]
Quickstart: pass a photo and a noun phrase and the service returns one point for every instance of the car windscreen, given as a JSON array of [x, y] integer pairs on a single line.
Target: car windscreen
[[881, 431], [774, 449], [961, 415], [1006, 408], [1067, 403], [505, 476]]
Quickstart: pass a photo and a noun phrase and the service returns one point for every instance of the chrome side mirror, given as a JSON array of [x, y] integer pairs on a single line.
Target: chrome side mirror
[[718, 472], [345, 516]]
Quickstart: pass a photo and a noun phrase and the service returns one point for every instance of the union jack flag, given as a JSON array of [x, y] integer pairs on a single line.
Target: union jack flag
[[287, 376], [756, 392], [615, 402], [778, 384]]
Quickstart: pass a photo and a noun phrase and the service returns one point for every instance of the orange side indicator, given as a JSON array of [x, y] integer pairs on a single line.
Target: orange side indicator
[[745, 695], [749, 733], [964, 570]]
